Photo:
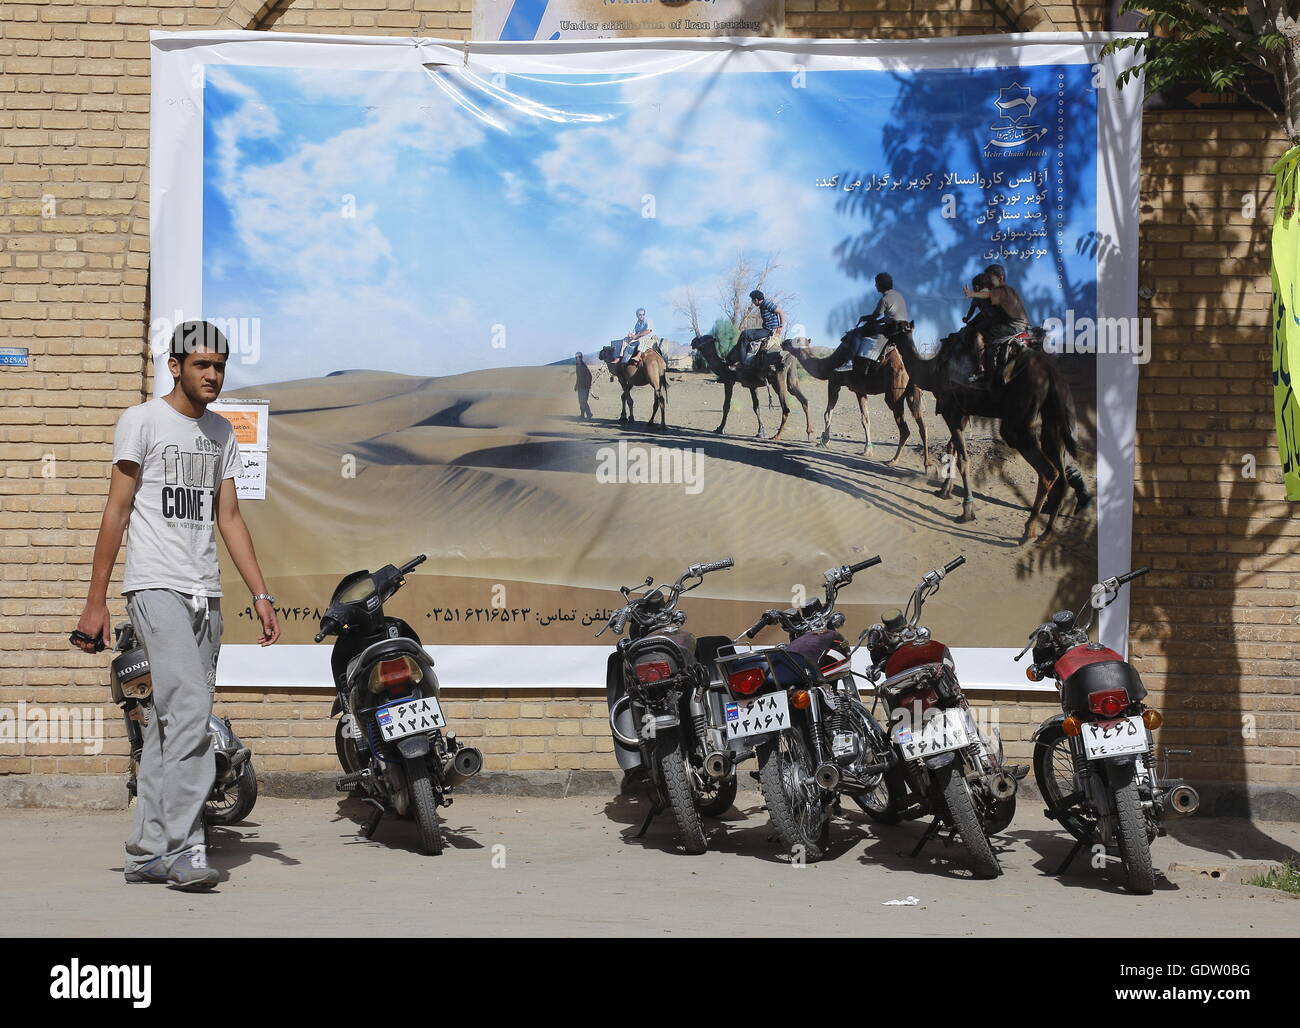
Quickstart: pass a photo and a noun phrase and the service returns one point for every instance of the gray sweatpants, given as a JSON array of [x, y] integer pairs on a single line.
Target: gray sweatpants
[[177, 767]]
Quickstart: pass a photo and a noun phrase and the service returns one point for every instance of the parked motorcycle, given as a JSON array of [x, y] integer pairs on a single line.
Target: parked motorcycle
[[391, 737], [1094, 760], [234, 789], [799, 706], [665, 706], [947, 765]]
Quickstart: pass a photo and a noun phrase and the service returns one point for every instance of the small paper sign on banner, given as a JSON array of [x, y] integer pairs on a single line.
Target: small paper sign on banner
[[251, 420]]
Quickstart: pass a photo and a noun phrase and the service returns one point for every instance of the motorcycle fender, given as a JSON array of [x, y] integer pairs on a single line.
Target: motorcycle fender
[[1052, 722], [940, 760], [628, 759], [413, 746]]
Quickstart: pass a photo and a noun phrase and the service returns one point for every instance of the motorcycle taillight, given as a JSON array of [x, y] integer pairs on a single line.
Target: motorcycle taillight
[[1108, 702], [653, 671], [746, 682]]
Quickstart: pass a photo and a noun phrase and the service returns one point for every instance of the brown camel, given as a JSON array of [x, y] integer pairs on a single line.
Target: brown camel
[[651, 370], [1032, 404], [782, 375], [886, 377]]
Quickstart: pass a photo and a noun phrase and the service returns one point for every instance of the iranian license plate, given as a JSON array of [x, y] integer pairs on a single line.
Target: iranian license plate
[[1103, 739], [398, 720], [939, 732], [770, 713]]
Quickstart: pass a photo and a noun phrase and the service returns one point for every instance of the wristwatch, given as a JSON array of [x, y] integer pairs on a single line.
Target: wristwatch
[[264, 596]]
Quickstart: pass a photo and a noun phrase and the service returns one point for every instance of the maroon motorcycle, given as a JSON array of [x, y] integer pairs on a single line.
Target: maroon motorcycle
[[948, 765], [1094, 760]]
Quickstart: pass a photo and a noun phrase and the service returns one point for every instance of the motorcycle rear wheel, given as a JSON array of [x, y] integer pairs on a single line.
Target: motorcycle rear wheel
[[720, 799], [1134, 844], [801, 815], [681, 797], [963, 817], [239, 799], [424, 806]]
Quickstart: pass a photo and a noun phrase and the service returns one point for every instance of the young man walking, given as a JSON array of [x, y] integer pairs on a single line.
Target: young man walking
[[173, 481]]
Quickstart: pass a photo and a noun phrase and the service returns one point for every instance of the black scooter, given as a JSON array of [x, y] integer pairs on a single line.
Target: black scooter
[[391, 737]]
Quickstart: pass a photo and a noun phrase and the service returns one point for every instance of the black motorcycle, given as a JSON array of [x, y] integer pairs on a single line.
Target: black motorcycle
[[665, 706], [798, 705], [391, 736], [1095, 760], [234, 787]]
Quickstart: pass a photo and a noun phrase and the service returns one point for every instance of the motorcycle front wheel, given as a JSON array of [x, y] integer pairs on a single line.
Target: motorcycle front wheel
[[1054, 773], [795, 803], [424, 805], [716, 797], [951, 781], [882, 803], [671, 755]]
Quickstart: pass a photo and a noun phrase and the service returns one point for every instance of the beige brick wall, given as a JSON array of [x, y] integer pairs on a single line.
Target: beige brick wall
[[1214, 628]]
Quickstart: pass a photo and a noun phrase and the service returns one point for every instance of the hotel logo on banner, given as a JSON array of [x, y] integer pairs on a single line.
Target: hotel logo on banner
[[610, 19], [1014, 130]]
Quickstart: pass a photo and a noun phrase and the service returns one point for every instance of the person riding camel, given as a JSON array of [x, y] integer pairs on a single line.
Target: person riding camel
[[629, 347], [890, 309], [753, 341], [1006, 317]]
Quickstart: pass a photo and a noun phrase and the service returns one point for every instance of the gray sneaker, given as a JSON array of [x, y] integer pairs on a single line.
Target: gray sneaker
[[190, 871], [153, 873]]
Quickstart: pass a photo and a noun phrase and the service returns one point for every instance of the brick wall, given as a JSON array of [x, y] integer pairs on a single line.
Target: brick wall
[[1214, 627]]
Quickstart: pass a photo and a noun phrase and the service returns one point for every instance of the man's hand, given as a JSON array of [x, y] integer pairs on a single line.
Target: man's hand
[[270, 625], [94, 622]]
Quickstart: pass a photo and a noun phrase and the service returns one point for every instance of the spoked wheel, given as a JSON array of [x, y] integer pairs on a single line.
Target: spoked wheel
[[237, 801], [879, 803], [795, 802], [1134, 841], [678, 779], [1054, 773], [713, 796], [965, 819]]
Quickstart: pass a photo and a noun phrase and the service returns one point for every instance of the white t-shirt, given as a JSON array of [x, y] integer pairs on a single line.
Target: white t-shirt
[[171, 542]]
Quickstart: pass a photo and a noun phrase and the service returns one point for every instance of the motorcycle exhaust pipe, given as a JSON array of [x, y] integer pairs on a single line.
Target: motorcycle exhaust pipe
[[717, 764], [223, 765], [827, 776], [462, 767], [1003, 786], [1182, 800]]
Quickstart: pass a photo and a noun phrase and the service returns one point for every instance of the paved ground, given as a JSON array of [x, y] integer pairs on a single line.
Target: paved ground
[[571, 868]]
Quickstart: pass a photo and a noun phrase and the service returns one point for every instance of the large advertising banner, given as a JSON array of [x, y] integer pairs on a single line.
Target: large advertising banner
[[496, 297]]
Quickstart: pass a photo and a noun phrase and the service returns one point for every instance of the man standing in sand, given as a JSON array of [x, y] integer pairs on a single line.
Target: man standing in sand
[[172, 482], [583, 386]]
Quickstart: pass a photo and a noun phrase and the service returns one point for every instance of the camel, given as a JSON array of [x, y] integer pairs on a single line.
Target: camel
[[887, 377], [783, 377], [651, 370], [1033, 408]]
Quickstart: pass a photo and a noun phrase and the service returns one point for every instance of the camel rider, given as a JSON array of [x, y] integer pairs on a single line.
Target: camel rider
[[754, 341], [1006, 318], [629, 347], [891, 309]]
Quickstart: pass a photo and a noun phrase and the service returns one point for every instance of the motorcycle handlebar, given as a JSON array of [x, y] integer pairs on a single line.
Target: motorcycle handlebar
[[713, 565], [412, 564], [870, 562], [1130, 575], [757, 626], [953, 565]]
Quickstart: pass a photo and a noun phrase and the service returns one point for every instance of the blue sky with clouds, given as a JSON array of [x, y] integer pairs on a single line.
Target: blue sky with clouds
[[409, 222]]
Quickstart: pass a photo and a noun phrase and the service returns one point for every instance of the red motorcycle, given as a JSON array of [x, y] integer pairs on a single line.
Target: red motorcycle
[[1093, 761], [948, 766]]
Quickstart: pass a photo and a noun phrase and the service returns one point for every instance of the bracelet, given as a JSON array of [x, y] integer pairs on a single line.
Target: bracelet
[[264, 596]]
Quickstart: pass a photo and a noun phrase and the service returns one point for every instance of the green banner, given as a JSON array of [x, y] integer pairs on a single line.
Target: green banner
[[1286, 318]]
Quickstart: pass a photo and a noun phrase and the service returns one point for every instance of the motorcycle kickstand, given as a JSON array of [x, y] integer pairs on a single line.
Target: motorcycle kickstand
[[1078, 845], [930, 833], [367, 830], [645, 825]]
